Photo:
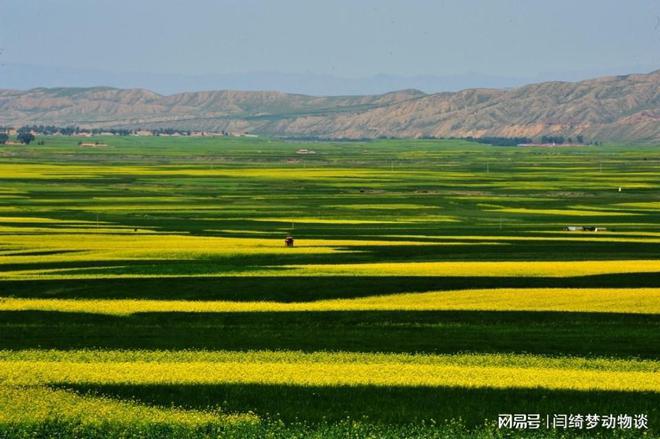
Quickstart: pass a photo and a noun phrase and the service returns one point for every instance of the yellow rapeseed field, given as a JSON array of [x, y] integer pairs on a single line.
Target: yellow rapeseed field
[[41, 404], [619, 300], [561, 212], [95, 243], [483, 268], [327, 373], [515, 361]]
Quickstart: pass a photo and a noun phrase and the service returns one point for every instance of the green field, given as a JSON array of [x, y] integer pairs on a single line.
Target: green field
[[145, 289]]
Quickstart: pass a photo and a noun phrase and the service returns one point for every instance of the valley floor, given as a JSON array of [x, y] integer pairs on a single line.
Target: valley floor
[[145, 289]]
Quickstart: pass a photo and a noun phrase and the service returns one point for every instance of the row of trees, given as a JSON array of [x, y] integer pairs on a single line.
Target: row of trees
[[51, 130], [26, 133], [513, 141], [501, 141], [25, 137], [559, 140], [4, 137]]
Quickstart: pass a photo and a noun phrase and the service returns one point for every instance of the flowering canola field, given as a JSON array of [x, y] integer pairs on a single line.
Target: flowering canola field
[[145, 289]]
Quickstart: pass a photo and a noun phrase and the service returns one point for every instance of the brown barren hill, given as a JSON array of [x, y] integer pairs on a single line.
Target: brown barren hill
[[617, 108]]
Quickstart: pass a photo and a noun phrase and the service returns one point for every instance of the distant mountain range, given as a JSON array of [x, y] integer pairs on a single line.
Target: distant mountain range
[[616, 108], [25, 76]]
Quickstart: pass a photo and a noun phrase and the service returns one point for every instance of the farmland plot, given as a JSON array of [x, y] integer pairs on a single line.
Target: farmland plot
[[145, 289]]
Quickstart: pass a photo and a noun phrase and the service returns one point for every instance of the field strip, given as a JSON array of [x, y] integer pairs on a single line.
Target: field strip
[[541, 235], [323, 374], [470, 268], [517, 361], [41, 404], [119, 259], [403, 220], [611, 300], [561, 212], [147, 243]]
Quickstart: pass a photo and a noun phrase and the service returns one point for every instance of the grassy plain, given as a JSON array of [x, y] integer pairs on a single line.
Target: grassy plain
[[145, 290]]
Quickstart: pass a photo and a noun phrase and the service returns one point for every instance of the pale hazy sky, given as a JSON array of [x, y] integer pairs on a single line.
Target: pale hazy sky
[[350, 38]]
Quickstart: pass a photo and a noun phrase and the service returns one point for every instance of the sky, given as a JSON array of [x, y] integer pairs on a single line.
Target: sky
[[342, 38]]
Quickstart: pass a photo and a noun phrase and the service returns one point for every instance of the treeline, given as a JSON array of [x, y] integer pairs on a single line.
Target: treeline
[[512, 141], [559, 140], [52, 130], [26, 134], [23, 135], [545, 140], [500, 141]]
